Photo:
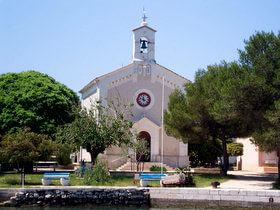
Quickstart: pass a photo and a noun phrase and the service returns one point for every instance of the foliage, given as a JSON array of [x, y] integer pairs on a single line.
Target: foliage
[[261, 56], [140, 148], [235, 149], [46, 148], [157, 168], [136, 149], [35, 100], [25, 147], [98, 128], [62, 154], [203, 154], [276, 185], [189, 180], [182, 169], [213, 108], [99, 174], [88, 176]]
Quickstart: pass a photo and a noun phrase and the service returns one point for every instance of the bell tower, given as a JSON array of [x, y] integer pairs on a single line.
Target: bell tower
[[144, 42]]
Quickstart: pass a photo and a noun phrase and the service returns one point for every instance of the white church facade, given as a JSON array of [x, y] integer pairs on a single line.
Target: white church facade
[[147, 85]]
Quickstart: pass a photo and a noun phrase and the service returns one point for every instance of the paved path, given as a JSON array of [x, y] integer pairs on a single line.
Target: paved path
[[249, 180]]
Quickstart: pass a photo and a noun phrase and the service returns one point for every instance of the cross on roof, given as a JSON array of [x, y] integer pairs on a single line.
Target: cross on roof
[[144, 17]]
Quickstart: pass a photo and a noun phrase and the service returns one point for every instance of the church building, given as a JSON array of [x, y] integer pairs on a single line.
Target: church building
[[147, 85]]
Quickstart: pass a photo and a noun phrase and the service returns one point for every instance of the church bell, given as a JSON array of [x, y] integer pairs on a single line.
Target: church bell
[[143, 44]]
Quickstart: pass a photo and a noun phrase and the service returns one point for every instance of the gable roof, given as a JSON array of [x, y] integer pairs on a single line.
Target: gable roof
[[95, 80], [172, 72]]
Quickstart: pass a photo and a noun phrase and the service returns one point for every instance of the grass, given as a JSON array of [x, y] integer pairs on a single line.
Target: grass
[[31, 180], [204, 180]]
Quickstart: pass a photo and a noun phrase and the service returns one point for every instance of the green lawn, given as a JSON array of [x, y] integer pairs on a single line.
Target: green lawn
[[204, 180], [31, 180]]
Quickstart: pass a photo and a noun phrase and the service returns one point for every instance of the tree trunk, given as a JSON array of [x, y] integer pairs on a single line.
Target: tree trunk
[[225, 165], [22, 175], [93, 156]]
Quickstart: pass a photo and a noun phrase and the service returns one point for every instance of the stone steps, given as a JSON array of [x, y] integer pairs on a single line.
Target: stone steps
[[147, 165]]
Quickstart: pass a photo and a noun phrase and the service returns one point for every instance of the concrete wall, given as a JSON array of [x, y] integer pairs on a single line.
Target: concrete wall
[[250, 158], [268, 159], [179, 197]]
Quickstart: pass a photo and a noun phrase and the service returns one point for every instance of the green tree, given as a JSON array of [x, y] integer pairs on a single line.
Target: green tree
[[268, 137], [261, 59], [24, 148], [203, 154], [261, 56], [137, 150], [212, 108], [35, 100], [62, 153], [235, 149], [98, 128]]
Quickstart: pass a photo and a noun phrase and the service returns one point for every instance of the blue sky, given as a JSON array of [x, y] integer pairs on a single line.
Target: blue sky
[[75, 41]]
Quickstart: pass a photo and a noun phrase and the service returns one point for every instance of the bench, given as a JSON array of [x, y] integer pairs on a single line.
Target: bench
[[144, 178], [63, 177], [45, 165]]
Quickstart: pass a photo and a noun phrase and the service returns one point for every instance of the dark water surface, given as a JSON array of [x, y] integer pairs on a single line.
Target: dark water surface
[[114, 208]]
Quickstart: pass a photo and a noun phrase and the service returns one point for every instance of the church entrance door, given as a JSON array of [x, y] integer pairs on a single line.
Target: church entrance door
[[145, 136]]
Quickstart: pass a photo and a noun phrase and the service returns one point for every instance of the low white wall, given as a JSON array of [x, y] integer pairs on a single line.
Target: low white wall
[[220, 196]]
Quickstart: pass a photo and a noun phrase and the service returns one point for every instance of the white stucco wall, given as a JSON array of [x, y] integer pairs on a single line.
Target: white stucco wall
[[250, 157]]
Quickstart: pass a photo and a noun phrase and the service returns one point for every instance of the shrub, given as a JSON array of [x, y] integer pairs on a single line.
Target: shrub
[[88, 176], [157, 168], [63, 154], [97, 175], [189, 182], [182, 169]]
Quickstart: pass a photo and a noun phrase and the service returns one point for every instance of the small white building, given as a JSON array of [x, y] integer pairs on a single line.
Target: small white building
[[255, 160]]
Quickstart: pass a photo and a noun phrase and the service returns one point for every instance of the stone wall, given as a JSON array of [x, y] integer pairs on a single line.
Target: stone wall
[[78, 196], [154, 197], [199, 197], [5, 194]]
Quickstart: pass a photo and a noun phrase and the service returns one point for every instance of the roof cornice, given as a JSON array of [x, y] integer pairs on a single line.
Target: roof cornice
[[172, 72], [143, 27], [94, 81]]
